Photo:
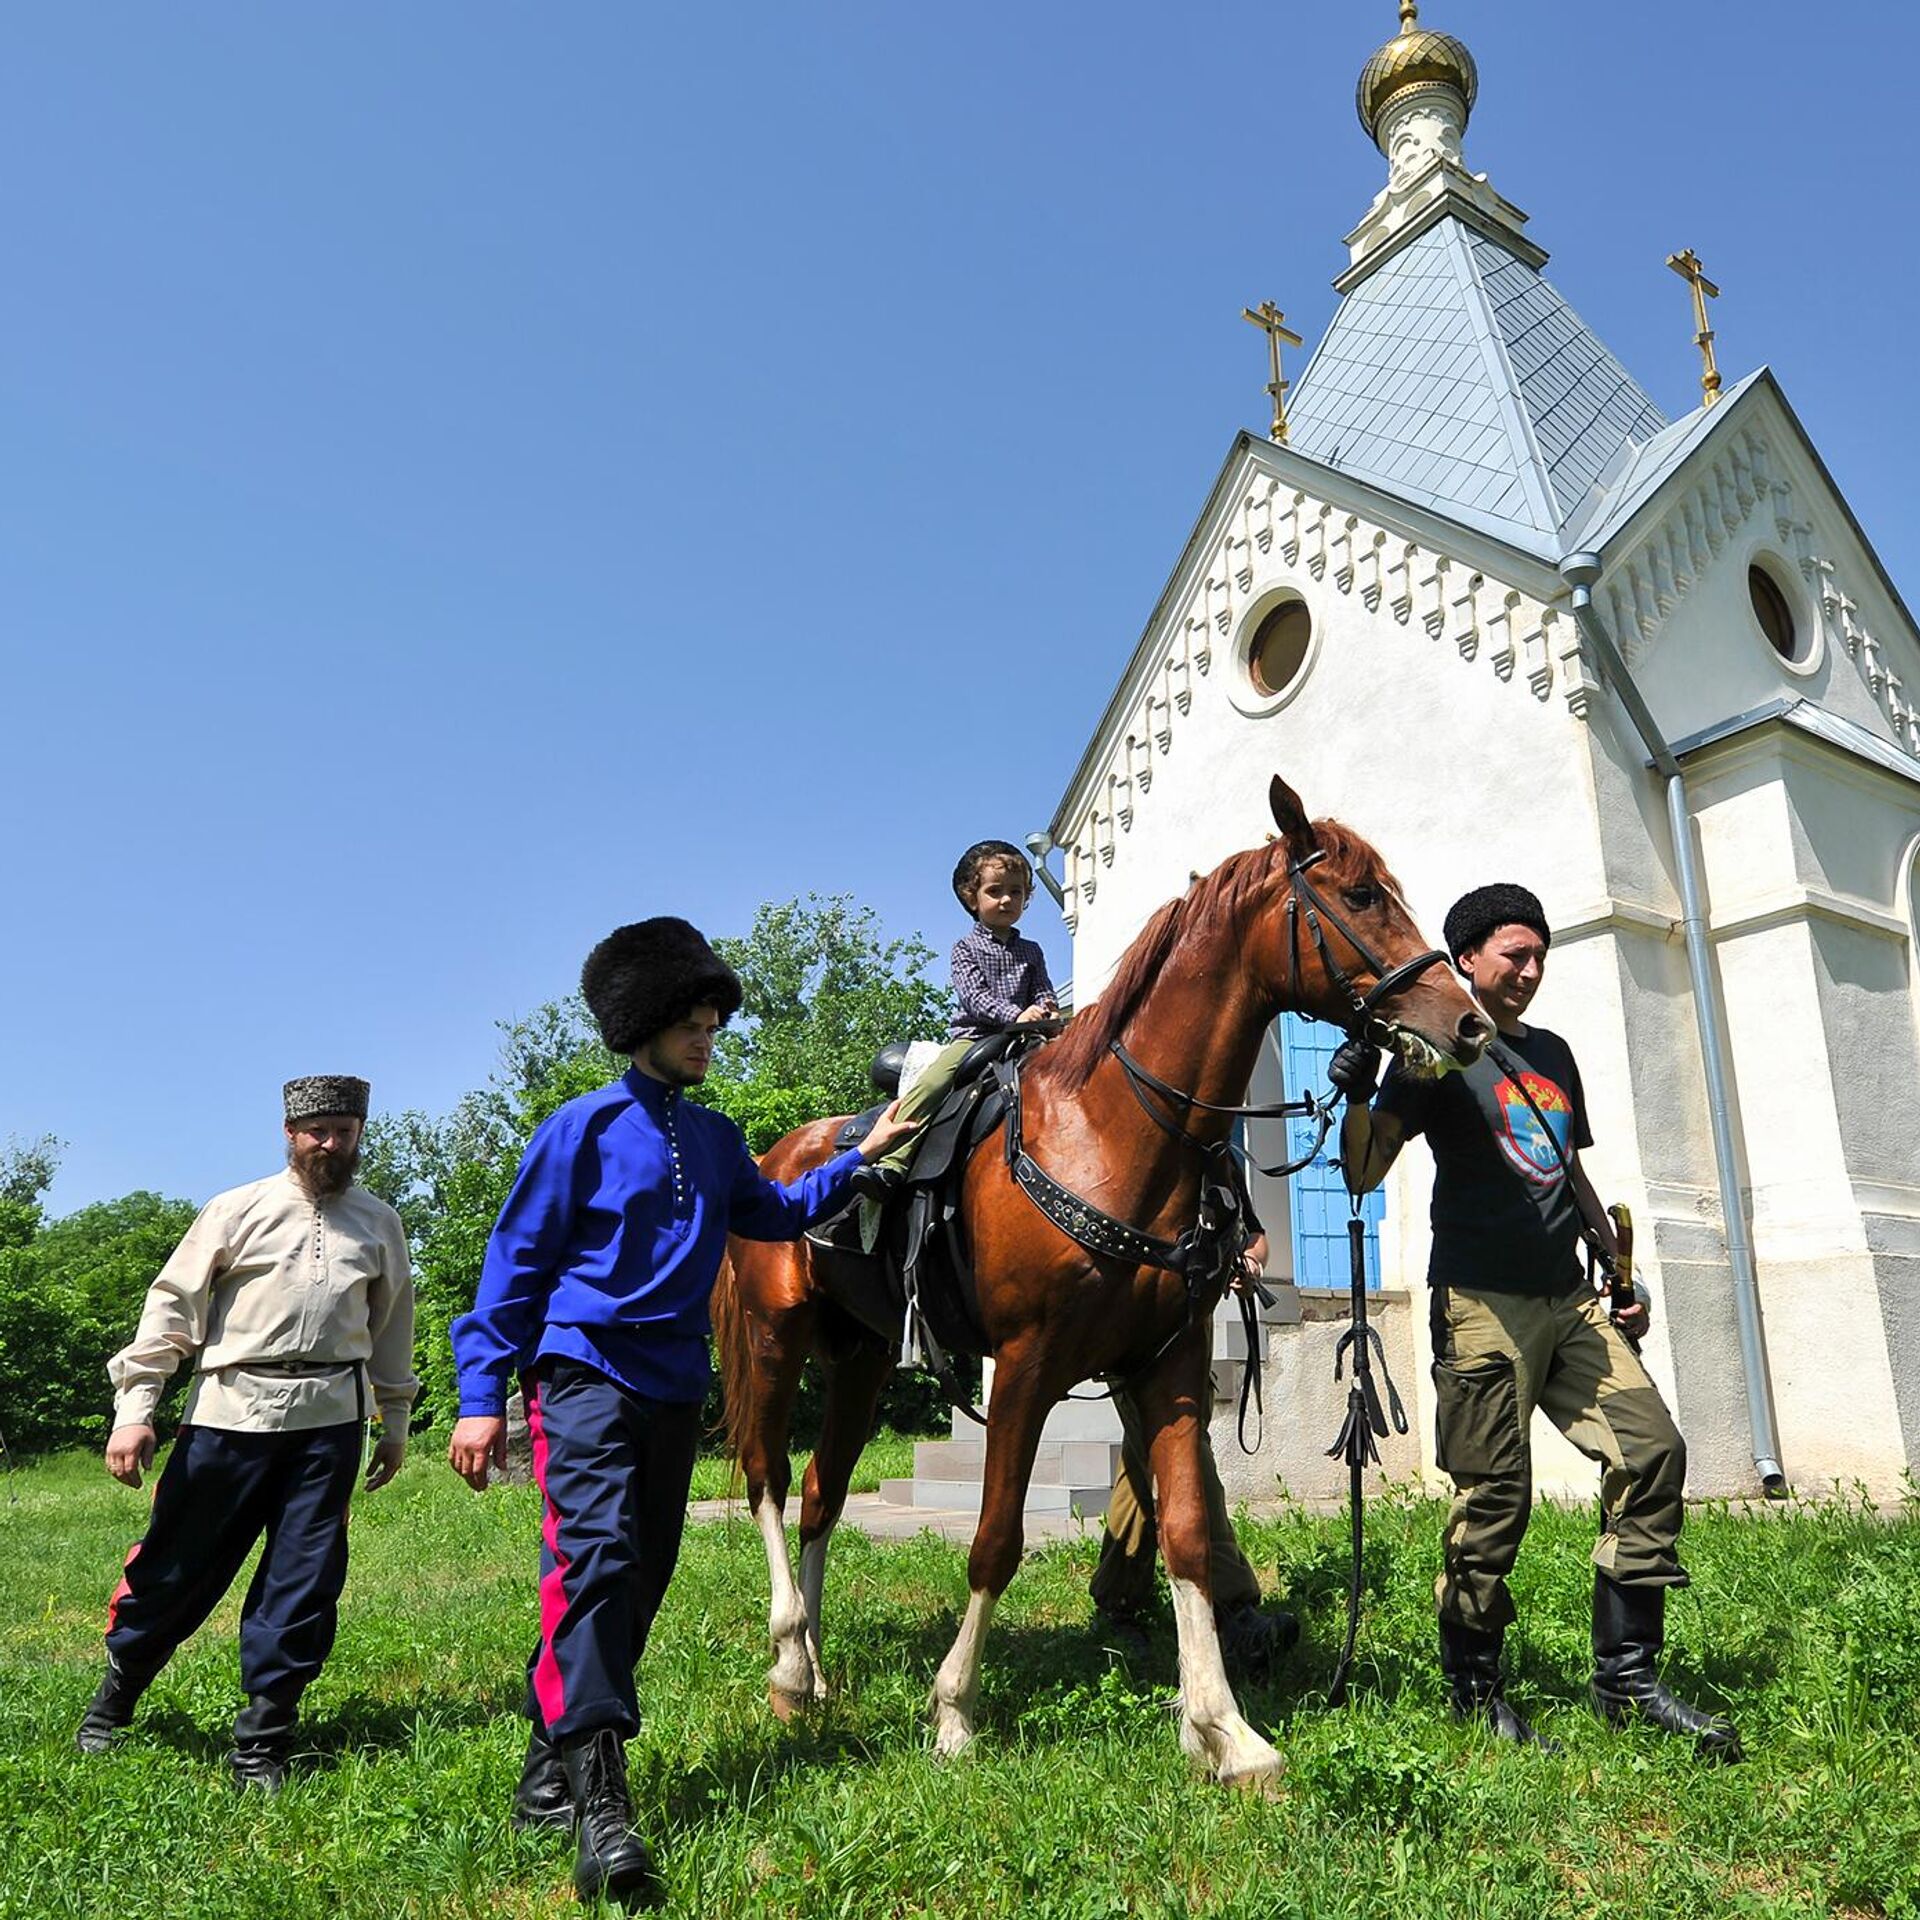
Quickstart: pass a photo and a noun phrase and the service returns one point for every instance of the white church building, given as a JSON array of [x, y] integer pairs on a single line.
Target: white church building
[[1389, 607]]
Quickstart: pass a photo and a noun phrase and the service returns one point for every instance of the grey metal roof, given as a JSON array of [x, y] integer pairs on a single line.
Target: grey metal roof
[[1805, 717], [1640, 474], [1457, 378]]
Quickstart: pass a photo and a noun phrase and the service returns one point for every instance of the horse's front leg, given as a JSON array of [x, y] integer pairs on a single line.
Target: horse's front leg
[[856, 1372], [1212, 1731], [1014, 1418], [777, 1348]]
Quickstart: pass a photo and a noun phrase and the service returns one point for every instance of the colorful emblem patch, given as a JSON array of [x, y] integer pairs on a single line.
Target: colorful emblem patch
[[1521, 1137]]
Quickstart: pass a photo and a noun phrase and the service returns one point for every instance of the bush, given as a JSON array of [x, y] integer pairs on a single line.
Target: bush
[[70, 1298]]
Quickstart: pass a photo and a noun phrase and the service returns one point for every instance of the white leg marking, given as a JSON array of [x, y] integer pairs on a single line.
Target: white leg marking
[[956, 1687], [790, 1683], [813, 1586], [1211, 1729]]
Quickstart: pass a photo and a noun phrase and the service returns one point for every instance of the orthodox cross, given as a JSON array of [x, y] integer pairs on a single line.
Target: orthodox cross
[[1687, 266], [1270, 320]]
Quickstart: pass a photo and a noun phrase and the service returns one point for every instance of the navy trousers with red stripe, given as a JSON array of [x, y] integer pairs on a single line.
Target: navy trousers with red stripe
[[218, 1493], [613, 1467]]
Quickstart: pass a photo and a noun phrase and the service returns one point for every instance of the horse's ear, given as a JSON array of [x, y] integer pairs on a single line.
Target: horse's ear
[[1291, 818]]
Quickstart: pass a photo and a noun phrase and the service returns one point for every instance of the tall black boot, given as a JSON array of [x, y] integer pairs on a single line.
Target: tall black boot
[[263, 1741], [110, 1712], [613, 1859], [1470, 1658], [543, 1798], [1629, 1629]]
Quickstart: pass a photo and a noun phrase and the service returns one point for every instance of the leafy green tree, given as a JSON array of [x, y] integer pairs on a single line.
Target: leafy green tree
[[26, 1172], [822, 993], [70, 1298]]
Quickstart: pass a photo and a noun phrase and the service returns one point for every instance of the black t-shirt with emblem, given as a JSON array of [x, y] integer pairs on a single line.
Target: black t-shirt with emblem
[[1504, 1215]]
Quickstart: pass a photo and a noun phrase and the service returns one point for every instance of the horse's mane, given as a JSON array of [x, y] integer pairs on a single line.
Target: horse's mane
[[1214, 903]]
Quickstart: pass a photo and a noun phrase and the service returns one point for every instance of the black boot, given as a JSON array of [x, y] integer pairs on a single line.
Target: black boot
[[1629, 1629], [1470, 1658], [1253, 1641], [613, 1859], [263, 1741], [543, 1798], [875, 1181], [110, 1712]]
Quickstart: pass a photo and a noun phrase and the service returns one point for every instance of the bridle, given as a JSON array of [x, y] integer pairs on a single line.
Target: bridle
[[1306, 902]]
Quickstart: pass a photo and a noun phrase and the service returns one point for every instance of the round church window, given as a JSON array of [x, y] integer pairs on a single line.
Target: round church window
[[1775, 614], [1278, 649]]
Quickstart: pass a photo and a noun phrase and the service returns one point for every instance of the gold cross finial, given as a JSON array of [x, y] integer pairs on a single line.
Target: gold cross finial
[[1269, 318], [1409, 15], [1687, 266]]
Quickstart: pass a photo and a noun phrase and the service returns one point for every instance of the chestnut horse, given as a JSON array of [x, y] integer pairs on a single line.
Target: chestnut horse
[[1190, 1002]]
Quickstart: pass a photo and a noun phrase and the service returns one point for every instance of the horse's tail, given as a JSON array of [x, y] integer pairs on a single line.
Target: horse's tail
[[730, 1340]]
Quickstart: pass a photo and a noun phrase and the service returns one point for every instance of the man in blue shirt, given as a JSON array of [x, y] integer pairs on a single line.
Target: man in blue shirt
[[595, 1288]]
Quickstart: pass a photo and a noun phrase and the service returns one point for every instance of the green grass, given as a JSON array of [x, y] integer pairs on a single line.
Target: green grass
[[888, 1456], [1074, 1802]]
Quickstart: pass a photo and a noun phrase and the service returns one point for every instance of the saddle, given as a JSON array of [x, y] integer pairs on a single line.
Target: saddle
[[916, 1286]]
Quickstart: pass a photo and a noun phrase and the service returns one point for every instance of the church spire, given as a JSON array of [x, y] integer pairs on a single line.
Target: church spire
[[1415, 98], [1417, 63]]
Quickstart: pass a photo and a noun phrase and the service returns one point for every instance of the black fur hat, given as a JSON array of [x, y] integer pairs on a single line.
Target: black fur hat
[[646, 976], [1475, 915]]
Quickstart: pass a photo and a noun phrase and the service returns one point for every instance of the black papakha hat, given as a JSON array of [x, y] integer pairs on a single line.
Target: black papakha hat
[[317, 1093], [967, 869], [1475, 915], [646, 976]]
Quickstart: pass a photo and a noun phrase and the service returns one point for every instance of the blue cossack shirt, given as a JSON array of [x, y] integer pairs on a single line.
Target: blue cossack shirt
[[608, 1246]]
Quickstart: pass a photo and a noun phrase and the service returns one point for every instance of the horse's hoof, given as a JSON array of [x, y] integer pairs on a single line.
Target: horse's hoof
[[787, 1707], [1264, 1777]]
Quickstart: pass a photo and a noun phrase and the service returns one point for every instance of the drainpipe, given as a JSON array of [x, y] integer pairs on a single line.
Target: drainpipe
[[1040, 844], [1581, 571]]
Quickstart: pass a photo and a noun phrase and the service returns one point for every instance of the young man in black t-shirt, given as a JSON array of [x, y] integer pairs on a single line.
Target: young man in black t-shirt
[[1517, 1326]]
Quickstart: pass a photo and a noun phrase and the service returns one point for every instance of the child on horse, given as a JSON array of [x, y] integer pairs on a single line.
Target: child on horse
[[1000, 980]]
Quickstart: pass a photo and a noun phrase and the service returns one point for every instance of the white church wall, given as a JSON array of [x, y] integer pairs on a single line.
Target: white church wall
[[1803, 851], [1676, 595], [1411, 711]]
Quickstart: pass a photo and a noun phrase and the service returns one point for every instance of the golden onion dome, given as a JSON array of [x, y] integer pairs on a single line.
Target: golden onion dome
[[1413, 58]]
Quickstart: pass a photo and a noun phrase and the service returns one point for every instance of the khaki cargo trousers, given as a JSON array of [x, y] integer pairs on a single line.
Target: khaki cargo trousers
[[1122, 1584], [1498, 1356]]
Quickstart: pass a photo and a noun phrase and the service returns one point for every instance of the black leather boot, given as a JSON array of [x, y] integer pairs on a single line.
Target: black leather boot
[[1253, 1641], [110, 1712], [613, 1859], [1629, 1629], [263, 1741], [543, 1798], [1470, 1658]]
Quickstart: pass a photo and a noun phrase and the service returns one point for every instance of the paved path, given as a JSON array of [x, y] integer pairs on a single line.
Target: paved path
[[883, 1520]]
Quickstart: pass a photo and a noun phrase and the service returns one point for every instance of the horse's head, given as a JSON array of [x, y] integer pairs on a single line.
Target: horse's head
[[1340, 944]]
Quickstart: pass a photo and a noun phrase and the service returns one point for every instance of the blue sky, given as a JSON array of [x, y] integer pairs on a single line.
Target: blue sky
[[476, 474]]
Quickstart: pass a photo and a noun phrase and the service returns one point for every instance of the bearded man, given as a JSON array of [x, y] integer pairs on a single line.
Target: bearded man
[[293, 1298]]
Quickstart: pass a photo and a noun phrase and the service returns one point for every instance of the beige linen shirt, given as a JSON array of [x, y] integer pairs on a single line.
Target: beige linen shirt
[[267, 1281]]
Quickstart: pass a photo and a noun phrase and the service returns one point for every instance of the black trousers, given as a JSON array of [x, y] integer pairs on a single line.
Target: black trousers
[[218, 1493], [613, 1468]]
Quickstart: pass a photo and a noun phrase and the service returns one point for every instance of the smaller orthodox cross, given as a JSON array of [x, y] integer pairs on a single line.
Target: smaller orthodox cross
[[1269, 319], [1687, 266]]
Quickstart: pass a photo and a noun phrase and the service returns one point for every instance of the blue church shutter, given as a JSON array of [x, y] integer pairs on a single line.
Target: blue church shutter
[[1320, 1203]]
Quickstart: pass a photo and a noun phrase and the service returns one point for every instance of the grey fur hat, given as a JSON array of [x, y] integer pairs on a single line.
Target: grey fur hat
[[316, 1093], [1475, 915], [646, 976]]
